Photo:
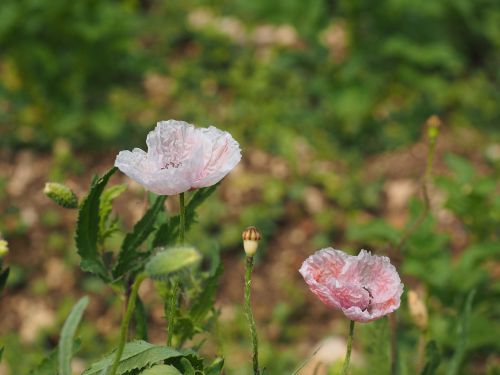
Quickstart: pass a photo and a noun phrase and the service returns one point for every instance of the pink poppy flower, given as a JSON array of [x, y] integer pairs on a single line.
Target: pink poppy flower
[[365, 287], [180, 157]]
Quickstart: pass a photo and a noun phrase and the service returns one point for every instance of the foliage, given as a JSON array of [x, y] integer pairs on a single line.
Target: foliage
[[67, 336]]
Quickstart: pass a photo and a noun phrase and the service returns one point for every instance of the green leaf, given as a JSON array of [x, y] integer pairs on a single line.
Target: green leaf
[[3, 278], [171, 261], [462, 333], [105, 207], [216, 367], [1, 353], [168, 233], [161, 370], [187, 367], [196, 200], [48, 366], [433, 358], [67, 336], [87, 228], [136, 355], [128, 256], [141, 320], [205, 300]]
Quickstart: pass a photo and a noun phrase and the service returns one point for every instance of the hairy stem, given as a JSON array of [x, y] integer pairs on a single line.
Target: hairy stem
[[170, 311], [345, 368], [182, 218], [249, 315], [126, 321]]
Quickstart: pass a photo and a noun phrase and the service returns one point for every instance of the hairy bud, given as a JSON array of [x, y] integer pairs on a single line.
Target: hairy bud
[[61, 194], [251, 238]]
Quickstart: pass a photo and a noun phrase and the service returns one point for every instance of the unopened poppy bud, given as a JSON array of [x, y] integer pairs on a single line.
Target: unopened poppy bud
[[4, 248], [251, 238], [433, 125], [61, 194], [418, 311]]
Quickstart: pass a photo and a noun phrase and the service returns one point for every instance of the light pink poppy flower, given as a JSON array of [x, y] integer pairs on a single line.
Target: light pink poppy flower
[[181, 157], [365, 287]]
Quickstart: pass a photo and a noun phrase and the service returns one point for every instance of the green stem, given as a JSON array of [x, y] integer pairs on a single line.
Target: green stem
[[345, 368], [249, 315], [182, 221], [126, 321], [170, 313]]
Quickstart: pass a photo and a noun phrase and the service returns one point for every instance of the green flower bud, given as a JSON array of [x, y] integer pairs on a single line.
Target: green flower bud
[[61, 194], [172, 261], [4, 248]]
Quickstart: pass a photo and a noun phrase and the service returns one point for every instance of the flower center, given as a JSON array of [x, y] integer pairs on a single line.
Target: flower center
[[369, 306], [171, 164]]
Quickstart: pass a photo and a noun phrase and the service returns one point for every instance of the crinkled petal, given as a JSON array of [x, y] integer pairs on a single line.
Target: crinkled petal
[[219, 159], [365, 287]]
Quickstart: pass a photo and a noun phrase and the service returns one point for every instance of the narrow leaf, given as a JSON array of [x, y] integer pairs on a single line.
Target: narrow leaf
[[67, 336], [187, 367], [196, 200], [462, 333], [105, 207], [161, 370], [433, 358], [141, 320], [128, 256], [87, 228]]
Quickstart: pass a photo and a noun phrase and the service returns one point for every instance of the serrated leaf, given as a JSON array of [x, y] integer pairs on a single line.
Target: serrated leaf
[[205, 300], [128, 256], [67, 336], [161, 370], [196, 200], [3, 278], [168, 232], [48, 366], [171, 261], [216, 367], [136, 355], [87, 228], [105, 207], [433, 358]]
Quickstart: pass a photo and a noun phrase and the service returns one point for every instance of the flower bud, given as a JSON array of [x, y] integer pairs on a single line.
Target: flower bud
[[251, 238], [61, 194], [418, 311], [4, 248], [433, 125]]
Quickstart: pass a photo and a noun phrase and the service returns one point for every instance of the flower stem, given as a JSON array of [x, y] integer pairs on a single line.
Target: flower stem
[[345, 368], [182, 217], [170, 313], [126, 321], [249, 315]]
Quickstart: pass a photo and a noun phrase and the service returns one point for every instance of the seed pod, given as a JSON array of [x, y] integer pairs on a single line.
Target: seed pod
[[61, 194], [251, 238]]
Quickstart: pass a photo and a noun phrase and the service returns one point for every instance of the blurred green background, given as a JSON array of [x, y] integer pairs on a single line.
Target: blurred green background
[[328, 100]]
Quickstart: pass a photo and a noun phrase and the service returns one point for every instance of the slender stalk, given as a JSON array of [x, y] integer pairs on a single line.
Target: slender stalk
[[249, 315], [126, 321], [170, 311], [393, 320], [182, 216], [345, 368]]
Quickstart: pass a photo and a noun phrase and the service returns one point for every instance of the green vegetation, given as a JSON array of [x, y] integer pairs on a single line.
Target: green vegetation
[[328, 100]]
